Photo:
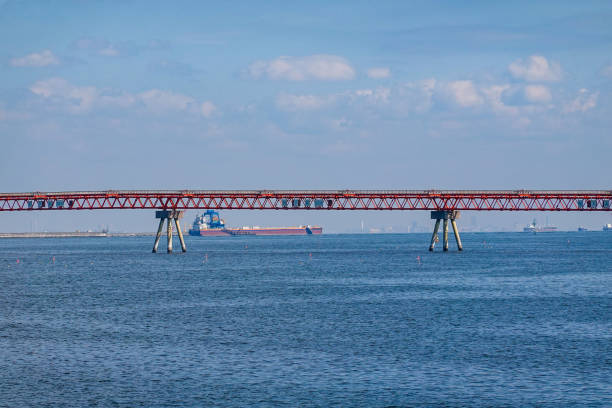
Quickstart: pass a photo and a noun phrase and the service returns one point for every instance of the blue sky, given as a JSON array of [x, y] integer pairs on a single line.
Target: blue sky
[[500, 95]]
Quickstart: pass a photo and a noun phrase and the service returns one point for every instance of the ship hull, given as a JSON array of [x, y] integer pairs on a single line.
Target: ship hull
[[224, 232], [540, 230]]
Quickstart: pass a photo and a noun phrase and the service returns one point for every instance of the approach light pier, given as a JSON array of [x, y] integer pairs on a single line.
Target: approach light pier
[[445, 205]]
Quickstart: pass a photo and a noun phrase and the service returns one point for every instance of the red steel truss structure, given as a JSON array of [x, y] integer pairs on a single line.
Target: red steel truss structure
[[470, 200]]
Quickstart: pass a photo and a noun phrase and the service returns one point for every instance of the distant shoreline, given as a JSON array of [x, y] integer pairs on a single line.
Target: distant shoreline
[[72, 234], [148, 234]]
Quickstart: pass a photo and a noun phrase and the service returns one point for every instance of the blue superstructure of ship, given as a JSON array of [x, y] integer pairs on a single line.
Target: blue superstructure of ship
[[210, 224]]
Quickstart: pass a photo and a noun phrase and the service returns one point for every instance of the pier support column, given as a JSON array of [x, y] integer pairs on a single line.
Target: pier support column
[[434, 236], [446, 216], [168, 216], [158, 236], [445, 235], [169, 235], [180, 235], [457, 238]]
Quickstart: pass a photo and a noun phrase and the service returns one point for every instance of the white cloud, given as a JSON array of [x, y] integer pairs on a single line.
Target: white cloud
[[106, 48], [427, 87], [379, 73], [537, 94], [41, 59], [535, 68], [77, 99], [341, 124], [162, 101], [317, 67], [80, 99], [464, 93], [208, 108], [583, 102], [415, 96], [375, 96], [494, 96], [122, 100], [294, 103], [516, 101]]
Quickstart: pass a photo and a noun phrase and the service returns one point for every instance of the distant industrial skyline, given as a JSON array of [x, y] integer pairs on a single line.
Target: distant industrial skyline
[[398, 95]]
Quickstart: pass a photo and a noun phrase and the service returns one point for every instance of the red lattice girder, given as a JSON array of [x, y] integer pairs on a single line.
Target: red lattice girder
[[466, 200]]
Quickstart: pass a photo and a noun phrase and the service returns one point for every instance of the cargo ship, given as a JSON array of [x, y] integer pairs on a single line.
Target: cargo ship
[[533, 228], [607, 227], [210, 224]]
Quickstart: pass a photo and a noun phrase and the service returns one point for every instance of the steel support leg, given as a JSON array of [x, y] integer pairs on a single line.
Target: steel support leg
[[434, 235], [180, 234], [158, 236], [169, 235], [445, 233], [457, 238]]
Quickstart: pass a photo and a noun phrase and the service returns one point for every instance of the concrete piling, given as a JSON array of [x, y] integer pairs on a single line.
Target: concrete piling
[[434, 235], [445, 216], [158, 236], [169, 235], [180, 234], [457, 238], [168, 216], [445, 234]]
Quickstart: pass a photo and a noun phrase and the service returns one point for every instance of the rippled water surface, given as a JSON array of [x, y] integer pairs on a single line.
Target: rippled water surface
[[332, 320]]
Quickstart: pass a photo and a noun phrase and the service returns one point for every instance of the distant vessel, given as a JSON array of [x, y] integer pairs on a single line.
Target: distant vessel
[[210, 224], [607, 227], [533, 228], [582, 229]]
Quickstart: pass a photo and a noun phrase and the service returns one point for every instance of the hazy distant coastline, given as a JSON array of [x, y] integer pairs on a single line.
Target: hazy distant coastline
[[71, 234]]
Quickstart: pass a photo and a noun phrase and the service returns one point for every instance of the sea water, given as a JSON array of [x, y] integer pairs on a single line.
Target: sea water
[[365, 320]]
